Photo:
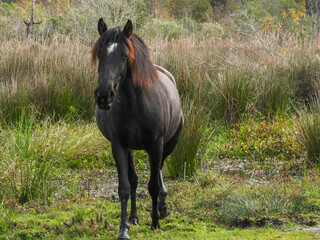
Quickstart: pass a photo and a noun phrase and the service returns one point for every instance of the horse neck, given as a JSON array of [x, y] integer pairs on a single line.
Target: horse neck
[[131, 93]]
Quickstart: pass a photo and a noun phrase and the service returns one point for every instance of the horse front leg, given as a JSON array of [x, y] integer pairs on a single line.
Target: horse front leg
[[120, 155], [155, 156], [133, 180]]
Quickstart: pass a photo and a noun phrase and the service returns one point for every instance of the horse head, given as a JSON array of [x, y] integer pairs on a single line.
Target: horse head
[[112, 54]]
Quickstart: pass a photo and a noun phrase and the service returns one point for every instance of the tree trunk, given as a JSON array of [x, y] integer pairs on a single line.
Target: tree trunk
[[31, 22]]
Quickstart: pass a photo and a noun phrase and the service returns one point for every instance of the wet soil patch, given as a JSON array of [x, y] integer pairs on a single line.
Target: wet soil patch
[[260, 222]]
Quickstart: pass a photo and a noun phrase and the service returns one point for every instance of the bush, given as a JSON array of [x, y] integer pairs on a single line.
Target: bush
[[208, 29], [162, 28]]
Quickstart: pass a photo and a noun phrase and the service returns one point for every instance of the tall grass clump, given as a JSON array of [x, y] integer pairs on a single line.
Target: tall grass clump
[[230, 96], [29, 175], [309, 133], [54, 79], [304, 73], [275, 93], [33, 152], [275, 199], [188, 154]]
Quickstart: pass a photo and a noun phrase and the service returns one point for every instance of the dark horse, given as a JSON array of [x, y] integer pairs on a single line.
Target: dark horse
[[138, 107]]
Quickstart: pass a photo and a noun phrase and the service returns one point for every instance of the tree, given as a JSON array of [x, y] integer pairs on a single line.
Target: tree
[[31, 22]]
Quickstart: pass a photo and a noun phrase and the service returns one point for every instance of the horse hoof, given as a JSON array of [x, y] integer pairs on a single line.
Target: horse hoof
[[123, 235], [134, 221], [123, 238], [155, 226], [164, 213]]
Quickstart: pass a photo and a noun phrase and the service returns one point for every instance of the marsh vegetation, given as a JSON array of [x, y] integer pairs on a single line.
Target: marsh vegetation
[[247, 164]]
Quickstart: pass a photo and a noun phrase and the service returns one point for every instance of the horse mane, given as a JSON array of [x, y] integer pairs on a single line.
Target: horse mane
[[143, 72]]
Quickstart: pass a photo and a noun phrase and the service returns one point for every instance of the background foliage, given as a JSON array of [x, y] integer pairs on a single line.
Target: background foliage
[[247, 72]]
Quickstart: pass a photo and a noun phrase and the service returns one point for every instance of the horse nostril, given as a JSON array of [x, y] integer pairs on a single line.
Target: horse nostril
[[111, 94]]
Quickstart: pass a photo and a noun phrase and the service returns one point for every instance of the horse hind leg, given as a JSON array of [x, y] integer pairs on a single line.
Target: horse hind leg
[[167, 150], [133, 180], [162, 204]]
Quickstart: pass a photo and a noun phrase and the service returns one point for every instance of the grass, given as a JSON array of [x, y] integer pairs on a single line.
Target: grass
[[309, 134], [202, 213], [264, 202], [7, 216], [204, 205]]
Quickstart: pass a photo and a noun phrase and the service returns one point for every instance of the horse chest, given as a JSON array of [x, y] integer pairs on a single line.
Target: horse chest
[[136, 133]]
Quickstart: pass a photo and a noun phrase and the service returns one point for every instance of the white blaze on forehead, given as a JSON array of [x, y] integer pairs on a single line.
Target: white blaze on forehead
[[111, 48]]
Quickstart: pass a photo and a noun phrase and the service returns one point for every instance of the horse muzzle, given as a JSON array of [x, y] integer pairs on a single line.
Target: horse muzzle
[[104, 101]]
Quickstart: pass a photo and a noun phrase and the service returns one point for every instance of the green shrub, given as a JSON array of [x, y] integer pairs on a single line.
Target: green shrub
[[209, 29], [254, 140], [162, 28], [142, 13]]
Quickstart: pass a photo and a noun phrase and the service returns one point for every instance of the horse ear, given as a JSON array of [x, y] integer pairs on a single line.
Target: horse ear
[[102, 27], [127, 30]]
